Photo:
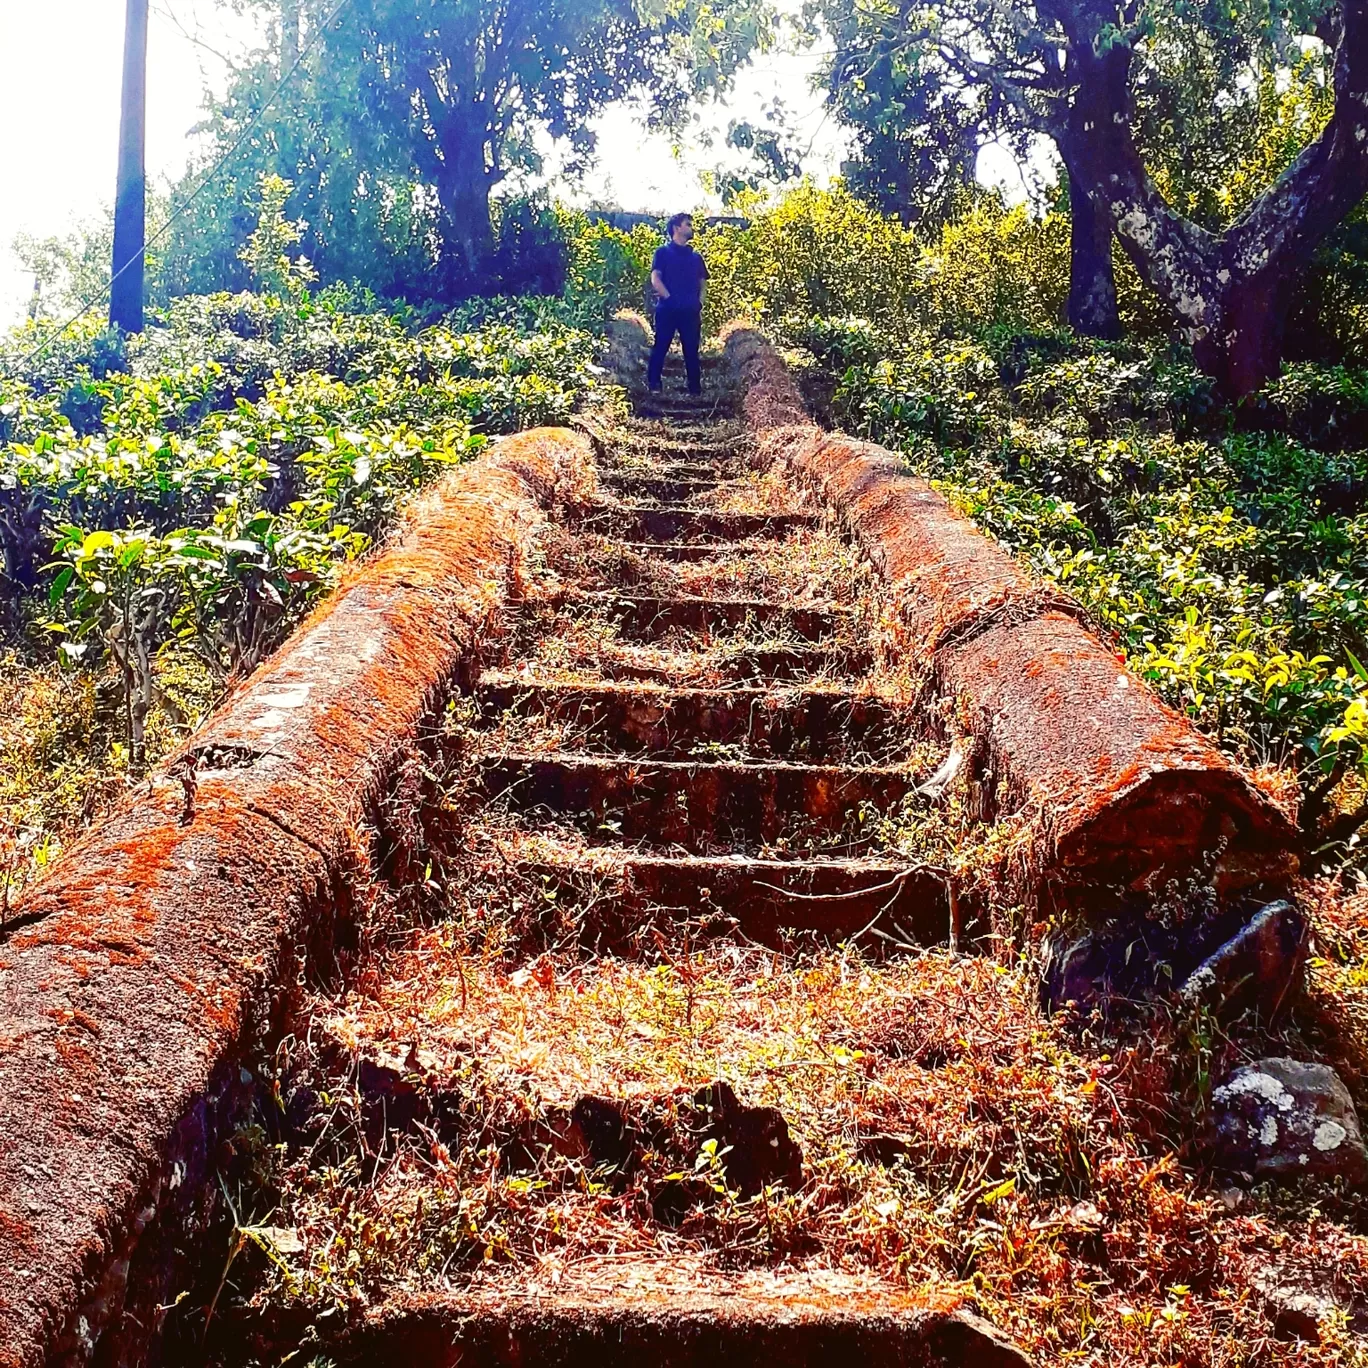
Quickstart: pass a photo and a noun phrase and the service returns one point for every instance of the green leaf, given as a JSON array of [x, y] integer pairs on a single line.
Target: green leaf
[[998, 1193], [96, 542], [60, 584]]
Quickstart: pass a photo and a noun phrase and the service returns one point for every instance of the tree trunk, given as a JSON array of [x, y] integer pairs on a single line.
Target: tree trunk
[[1230, 292], [1092, 279], [467, 210], [463, 185], [130, 197], [1242, 352]]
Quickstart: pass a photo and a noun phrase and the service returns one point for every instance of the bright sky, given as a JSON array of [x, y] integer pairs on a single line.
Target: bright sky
[[60, 67]]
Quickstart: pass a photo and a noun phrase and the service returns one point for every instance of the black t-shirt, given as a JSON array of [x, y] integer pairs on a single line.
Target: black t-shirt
[[683, 271]]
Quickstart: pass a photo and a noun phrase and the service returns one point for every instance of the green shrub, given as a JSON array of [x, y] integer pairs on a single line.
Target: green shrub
[[1230, 566], [205, 482], [1326, 405]]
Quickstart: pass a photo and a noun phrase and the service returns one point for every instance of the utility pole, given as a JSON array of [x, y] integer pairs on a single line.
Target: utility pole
[[130, 196]]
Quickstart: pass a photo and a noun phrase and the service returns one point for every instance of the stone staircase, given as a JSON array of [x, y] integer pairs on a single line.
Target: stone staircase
[[681, 781], [726, 755]]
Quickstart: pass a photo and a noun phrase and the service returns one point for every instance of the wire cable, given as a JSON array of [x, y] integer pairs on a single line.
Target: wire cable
[[180, 213]]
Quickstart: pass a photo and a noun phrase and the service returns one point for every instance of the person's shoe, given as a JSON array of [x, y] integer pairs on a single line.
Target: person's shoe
[[655, 389]]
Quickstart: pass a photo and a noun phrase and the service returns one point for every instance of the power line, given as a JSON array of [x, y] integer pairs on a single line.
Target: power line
[[180, 213]]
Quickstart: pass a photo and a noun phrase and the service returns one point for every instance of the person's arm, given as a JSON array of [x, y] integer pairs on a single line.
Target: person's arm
[[658, 285]]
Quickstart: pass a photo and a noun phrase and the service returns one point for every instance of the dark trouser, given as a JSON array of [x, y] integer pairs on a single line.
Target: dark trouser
[[688, 323]]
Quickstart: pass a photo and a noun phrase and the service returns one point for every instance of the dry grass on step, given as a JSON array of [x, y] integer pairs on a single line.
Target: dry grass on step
[[952, 1138]]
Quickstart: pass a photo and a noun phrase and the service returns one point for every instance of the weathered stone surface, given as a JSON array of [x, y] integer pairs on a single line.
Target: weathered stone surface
[[1257, 968], [754, 1142], [1123, 793], [1279, 1118], [735, 1320], [162, 950], [1296, 1310]]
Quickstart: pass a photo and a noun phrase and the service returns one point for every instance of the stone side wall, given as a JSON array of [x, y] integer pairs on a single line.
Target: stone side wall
[[161, 954], [1122, 793]]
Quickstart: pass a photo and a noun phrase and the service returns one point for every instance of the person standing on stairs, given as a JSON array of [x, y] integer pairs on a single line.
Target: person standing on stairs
[[677, 276]]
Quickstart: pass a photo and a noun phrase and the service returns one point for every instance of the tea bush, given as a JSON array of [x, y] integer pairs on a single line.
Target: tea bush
[[824, 254], [172, 503], [1227, 559], [1230, 566], [203, 483]]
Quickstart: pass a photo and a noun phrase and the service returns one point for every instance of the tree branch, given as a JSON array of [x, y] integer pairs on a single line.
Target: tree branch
[[1295, 214]]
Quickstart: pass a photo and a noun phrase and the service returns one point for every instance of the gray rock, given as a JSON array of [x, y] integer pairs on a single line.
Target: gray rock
[[1296, 1310], [1279, 1118], [1257, 967]]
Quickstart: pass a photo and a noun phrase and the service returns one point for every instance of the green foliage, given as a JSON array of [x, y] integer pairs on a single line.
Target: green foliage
[[1221, 114], [1228, 564], [1329, 404], [405, 116], [1229, 567], [199, 486], [945, 391], [815, 253], [915, 127], [605, 267], [72, 268], [825, 254], [266, 253]]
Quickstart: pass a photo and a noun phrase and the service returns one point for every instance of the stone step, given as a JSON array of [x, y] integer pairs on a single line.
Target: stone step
[[647, 617], [812, 725], [674, 410], [703, 469], [620, 1313], [684, 437], [675, 391], [674, 361], [674, 454], [699, 472], [691, 551], [621, 892], [696, 805], [744, 664], [636, 523], [663, 489]]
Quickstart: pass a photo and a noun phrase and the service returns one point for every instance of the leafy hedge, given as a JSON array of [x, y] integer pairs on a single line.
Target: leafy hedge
[[1230, 565], [203, 483], [1228, 559]]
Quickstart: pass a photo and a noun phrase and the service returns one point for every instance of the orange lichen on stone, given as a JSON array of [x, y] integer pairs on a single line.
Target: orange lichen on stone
[[771, 398], [168, 934], [1124, 793]]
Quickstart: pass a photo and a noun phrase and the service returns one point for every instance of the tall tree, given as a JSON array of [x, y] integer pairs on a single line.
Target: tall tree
[[1070, 69], [406, 116], [920, 116], [916, 128], [1231, 291], [465, 84], [130, 198]]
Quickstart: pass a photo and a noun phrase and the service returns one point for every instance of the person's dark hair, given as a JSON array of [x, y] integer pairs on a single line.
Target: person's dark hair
[[675, 222]]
